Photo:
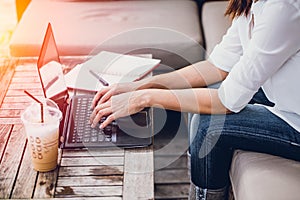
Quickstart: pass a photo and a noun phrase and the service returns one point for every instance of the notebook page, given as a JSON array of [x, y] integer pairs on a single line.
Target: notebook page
[[112, 67], [121, 65]]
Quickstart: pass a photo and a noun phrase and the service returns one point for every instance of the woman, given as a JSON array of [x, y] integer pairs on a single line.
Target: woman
[[258, 61]]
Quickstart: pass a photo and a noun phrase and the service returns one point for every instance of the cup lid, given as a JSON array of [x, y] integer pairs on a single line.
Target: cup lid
[[51, 112]]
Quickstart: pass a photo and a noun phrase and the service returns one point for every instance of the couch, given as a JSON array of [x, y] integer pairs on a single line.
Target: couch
[[254, 176], [84, 27]]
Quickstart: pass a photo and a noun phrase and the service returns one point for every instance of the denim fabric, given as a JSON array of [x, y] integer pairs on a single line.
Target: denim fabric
[[213, 138]]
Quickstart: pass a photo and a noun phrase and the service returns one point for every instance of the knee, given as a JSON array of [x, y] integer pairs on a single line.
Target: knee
[[197, 133], [204, 133], [198, 124]]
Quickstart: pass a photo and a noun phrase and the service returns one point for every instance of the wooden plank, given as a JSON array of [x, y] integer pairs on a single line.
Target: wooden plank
[[100, 191], [26, 179], [26, 67], [10, 113], [172, 191], [9, 166], [25, 75], [171, 176], [93, 152], [138, 174], [170, 162], [5, 131], [10, 121], [21, 106], [45, 186], [90, 181], [20, 92], [92, 161], [89, 198], [91, 170], [6, 73], [25, 86], [20, 99], [176, 146], [33, 80]]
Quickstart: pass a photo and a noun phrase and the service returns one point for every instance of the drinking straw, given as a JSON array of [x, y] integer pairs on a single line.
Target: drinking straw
[[38, 101]]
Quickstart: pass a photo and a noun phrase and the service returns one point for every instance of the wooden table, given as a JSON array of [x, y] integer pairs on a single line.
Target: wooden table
[[110, 174]]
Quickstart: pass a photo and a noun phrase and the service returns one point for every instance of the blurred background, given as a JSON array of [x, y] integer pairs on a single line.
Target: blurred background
[[8, 21]]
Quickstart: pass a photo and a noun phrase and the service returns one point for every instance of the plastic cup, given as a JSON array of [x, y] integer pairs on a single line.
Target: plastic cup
[[42, 137]]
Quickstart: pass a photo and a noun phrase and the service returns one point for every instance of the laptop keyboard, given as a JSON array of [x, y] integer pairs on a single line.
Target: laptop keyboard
[[83, 132]]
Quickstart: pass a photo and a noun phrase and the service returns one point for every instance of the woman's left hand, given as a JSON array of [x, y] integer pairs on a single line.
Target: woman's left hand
[[117, 106]]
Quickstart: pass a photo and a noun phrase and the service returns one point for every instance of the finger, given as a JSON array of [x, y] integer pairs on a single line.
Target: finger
[[100, 114], [96, 110], [107, 121], [105, 97], [94, 113], [97, 97]]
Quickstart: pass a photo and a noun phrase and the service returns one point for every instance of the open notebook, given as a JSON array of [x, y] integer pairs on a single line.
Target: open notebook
[[112, 68]]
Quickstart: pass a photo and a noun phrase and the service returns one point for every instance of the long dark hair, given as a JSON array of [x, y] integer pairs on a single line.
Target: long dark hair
[[237, 8]]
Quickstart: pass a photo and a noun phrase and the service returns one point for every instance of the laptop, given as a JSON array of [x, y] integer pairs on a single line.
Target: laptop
[[76, 132]]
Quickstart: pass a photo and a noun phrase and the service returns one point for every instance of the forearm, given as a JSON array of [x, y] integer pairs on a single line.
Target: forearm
[[195, 100], [199, 100], [200, 74]]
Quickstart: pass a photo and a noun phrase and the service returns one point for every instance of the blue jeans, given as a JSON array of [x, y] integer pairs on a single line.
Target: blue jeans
[[213, 138]]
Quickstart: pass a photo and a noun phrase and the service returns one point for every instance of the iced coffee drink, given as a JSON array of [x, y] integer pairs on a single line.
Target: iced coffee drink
[[42, 135]]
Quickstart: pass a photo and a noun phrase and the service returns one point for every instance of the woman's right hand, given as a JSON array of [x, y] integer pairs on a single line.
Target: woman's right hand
[[107, 92]]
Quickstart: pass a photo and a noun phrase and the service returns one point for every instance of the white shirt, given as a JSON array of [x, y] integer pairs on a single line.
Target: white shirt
[[266, 55]]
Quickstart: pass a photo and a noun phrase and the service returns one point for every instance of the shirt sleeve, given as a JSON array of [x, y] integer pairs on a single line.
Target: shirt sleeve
[[229, 48], [275, 39]]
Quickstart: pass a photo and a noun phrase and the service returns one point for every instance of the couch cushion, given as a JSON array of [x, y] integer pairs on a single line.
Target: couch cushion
[[214, 23], [260, 176], [80, 26]]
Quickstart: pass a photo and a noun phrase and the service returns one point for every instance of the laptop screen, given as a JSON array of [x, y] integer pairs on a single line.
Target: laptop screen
[[49, 50], [50, 69]]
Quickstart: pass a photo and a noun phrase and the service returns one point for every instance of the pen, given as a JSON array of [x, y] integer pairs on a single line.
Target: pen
[[99, 78], [51, 82]]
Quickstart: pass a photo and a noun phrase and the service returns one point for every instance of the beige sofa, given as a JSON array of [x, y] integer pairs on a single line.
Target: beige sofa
[[254, 176], [84, 27]]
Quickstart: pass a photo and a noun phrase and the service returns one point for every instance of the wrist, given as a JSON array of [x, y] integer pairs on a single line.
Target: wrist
[[147, 83], [145, 98]]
